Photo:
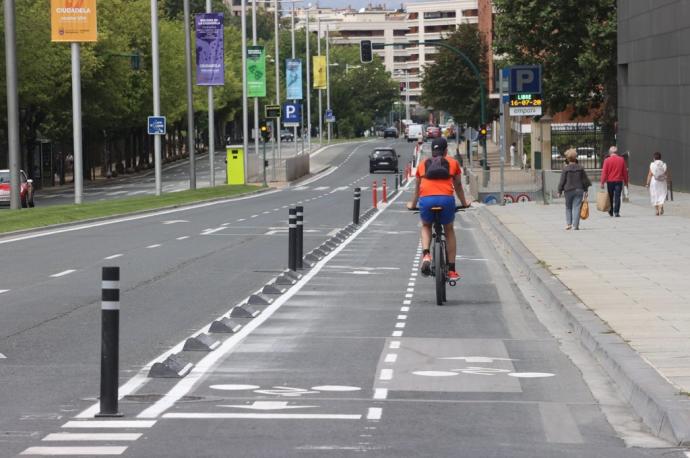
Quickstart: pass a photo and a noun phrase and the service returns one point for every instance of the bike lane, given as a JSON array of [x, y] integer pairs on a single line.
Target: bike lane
[[360, 359]]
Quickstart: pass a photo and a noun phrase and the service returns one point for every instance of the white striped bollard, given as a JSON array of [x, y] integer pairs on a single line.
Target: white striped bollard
[[299, 238], [355, 210], [292, 242], [110, 341]]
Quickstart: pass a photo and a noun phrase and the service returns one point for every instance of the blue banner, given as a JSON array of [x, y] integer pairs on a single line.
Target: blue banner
[[210, 50], [293, 76]]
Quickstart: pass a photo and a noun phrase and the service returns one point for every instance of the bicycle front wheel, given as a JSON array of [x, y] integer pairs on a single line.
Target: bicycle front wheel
[[440, 273]]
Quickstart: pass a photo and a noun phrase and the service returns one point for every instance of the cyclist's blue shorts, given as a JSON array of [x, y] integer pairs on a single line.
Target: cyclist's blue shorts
[[447, 214]]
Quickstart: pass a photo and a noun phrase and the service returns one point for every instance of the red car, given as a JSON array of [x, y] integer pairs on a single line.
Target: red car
[[433, 132], [26, 189]]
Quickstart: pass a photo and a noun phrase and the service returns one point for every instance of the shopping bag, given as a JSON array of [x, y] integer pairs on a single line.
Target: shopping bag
[[584, 210], [603, 203]]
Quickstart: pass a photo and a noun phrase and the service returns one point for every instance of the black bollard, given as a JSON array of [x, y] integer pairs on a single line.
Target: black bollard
[[110, 341], [292, 239], [397, 184], [299, 238], [355, 213]]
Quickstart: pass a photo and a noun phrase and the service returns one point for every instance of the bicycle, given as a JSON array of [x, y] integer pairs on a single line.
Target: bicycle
[[439, 254]]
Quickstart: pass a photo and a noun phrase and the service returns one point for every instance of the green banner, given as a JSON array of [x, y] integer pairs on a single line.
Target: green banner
[[256, 71]]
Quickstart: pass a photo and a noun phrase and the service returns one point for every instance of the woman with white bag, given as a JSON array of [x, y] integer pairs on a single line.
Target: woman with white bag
[[657, 179]]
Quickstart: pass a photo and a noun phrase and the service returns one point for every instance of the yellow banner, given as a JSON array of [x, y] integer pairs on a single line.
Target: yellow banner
[[319, 67], [73, 21]]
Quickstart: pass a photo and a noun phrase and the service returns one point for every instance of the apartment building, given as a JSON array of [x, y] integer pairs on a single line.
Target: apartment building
[[400, 30]]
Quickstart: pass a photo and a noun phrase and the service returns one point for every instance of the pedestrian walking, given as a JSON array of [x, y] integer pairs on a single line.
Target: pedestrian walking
[[657, 180], [575, 184], [512, 154], [524, 160], [614, 174]]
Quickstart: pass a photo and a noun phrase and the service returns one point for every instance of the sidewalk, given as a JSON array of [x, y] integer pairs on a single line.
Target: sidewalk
[[633, 271]]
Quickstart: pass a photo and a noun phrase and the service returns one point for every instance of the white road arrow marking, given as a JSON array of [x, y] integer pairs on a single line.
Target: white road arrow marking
[[2, 356], [268, 405], [175, 221]]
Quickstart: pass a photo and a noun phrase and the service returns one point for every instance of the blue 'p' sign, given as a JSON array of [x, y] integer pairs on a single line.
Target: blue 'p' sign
[[525, 79], [292, 113]]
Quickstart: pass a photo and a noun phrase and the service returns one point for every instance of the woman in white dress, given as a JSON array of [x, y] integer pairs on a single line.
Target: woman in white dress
[[657, 179]]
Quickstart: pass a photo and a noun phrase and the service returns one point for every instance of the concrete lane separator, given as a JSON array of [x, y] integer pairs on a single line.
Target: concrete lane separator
[[658, 403], [283, 280]]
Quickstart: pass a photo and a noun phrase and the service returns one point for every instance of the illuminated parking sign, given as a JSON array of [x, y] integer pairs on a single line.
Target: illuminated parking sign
[[292, 114], [525, 79]]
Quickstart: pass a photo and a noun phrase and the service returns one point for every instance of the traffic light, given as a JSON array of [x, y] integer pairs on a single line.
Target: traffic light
[[482, 132], [265, 133], [365, 53]]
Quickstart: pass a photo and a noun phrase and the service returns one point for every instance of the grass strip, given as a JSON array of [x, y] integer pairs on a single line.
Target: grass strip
[[59, 214]]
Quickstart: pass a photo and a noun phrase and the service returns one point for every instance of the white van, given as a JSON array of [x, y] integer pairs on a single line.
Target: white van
[[414, 131]]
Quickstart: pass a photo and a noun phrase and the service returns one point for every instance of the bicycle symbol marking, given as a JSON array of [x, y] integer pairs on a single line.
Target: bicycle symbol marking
[[285, 391], [480, 370]]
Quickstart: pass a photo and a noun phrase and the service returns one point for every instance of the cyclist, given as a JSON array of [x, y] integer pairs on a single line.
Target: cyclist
[[438, 178]]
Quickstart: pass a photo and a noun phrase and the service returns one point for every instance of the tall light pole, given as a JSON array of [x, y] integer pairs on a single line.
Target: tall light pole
[[308, 58], [211, 125], [76, 123], [318, 46], [256, 99], [12, 102], [155, 72], [277, 52], [292, 38], [245, 105], [407, 93], [190, 99], [328, 79]]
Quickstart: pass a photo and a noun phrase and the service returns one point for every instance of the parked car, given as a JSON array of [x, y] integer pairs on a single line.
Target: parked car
[[286, 136], [383, 159], [26, 188], [390, 132], [433, 132], [413, 132]]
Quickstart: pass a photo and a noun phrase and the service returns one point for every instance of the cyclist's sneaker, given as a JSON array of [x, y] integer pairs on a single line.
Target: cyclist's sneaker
[[426, 265], [453, 275]]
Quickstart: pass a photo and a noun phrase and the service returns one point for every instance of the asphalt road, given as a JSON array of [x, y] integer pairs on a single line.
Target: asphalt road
[[175, 177], [356, 358]]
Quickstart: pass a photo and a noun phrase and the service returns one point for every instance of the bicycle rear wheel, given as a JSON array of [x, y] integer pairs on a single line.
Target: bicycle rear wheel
[[440, 273]]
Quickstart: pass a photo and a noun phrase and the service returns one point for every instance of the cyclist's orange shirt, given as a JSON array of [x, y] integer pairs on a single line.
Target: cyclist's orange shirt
[[444, 187]]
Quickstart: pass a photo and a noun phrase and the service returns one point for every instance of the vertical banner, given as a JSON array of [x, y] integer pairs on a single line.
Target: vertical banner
[[293, 79], [319, 67], [256, 71], [210, 49], [73, 21]]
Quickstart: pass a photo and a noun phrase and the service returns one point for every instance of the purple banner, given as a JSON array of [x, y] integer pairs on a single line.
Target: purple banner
[[210, 53]]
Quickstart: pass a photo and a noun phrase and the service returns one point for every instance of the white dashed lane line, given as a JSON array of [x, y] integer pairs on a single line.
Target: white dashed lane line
[[394, 345], [380, 393], [4, 291], [397, 334], [63, 273], [386, 374], [391, 358], [155, 245], [374, 413], [184, 237], [114, 256]]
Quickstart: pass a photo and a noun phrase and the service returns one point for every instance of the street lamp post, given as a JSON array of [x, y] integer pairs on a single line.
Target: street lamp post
[[12, 102], [256, 99], [155, 75], [318, 45], [190, 96], [277, 51], [308, 58], [211, 126], [328, 80], [245, 107]]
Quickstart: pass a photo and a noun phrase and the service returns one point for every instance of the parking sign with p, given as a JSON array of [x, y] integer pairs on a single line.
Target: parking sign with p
[[525, 79], [292, 114]]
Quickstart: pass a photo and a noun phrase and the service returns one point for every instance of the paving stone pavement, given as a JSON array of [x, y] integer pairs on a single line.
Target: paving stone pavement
[[633, 271]]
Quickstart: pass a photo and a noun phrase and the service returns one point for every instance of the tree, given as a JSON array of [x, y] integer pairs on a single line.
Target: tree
[[449, 84], [575, 43]]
